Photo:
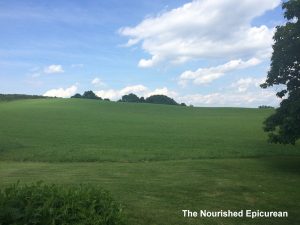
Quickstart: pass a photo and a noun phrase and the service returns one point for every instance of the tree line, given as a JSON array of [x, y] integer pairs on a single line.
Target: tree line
[[11, 97], [89, 95], [154, 99]]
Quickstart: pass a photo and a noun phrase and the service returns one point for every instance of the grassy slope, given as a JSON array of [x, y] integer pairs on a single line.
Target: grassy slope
[[89, 130], [179, 142]]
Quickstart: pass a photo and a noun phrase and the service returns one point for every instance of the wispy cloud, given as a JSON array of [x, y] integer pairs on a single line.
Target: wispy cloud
[[53, 69], [79, 65]]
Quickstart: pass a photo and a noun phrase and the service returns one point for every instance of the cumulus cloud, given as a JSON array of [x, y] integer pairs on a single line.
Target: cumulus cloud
[[61, 92], [204, 29], [115, 94], [243, 84], [207, 75], [97, 82], [54, 69], [245, 99], [162, 91], [139, 90], [244, 92]]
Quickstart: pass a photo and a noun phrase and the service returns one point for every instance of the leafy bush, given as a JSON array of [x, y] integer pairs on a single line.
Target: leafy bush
[[53, 204]]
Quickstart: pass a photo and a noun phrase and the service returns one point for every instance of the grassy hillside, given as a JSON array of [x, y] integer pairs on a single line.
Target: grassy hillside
[[87, 130], [155, 159]]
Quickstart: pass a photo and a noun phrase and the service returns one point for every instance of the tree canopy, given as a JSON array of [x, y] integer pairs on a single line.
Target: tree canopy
[[155, 99], [284, 125], [77, 95], [130, 98], [161, 99], [90, 95], [87, 95]]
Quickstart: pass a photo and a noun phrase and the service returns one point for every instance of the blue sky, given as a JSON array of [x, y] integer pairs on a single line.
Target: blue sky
[[205, 53]]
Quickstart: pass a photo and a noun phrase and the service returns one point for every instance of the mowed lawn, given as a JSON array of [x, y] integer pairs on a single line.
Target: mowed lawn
[[155, 159]]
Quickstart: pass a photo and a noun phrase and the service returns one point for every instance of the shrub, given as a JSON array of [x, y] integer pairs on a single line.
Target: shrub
[[53, 204]]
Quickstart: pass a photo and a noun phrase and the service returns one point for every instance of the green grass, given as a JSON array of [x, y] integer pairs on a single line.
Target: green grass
[[88, 130], [155, 159], [156, 192]]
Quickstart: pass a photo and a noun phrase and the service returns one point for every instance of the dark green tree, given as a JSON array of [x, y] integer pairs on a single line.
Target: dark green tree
[[77, 95], [161, 99], [130, 98], [142, 100], [90, 95], [284, 125]]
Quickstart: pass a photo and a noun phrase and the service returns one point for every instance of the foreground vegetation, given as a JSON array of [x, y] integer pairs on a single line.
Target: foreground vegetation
[[42, 204], [156, 192], [155, 159]]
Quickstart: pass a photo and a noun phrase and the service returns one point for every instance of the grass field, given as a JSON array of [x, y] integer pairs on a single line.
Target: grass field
[[155, 159]]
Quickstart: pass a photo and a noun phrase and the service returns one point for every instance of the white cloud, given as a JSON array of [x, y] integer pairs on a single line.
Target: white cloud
[[54, 69], [162, 91], [245, 99], [204, 29], [97, 82], [139, 90], [248, 98], [245, 92], [60, 92], [243, 84], [207, 75], [114, 94]]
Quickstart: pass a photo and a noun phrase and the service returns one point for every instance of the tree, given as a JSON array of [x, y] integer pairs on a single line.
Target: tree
[[130, 98], [77, 95], [142, 100], [90, 95], [284, 125], [161, 99]]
